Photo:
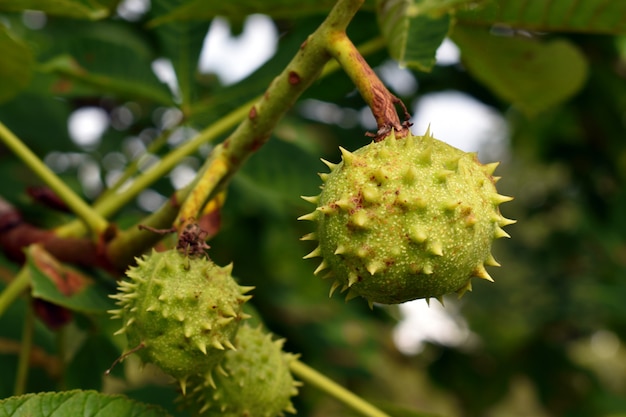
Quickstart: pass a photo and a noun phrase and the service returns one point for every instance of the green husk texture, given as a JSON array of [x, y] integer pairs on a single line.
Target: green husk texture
[[406, 218], [184, 311], [253, 380]]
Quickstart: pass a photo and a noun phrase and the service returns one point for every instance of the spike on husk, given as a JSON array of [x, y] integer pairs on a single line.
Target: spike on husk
[[312, 216], [330, 165], [481, 272], [347, 156], [311, 199], [333, 288], [314, 253]]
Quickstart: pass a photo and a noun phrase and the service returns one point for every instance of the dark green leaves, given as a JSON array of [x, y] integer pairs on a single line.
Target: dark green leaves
[[531, 74], [414, 29], [588, 16], [82, 9], [238, 10], [16, 65], [102, 57], [76, 403]]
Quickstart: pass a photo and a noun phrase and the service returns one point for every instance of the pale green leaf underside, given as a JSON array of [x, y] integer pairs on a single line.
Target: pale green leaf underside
[[80, 9], [414, 29], [590, 16], [16, 65], [531, 74], [76, 403]]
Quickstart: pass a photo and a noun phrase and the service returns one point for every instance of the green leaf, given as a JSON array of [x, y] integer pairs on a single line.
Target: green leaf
[[436, 8], [17, 65], [30, 113], [531, 74], [414, 29], [81, 9], [238, 10], [103, 58], [65, 286], [76, 78], [76, 403], [589, 16]]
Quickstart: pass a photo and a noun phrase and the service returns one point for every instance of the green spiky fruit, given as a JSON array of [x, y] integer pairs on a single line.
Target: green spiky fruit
[[180, 313], [253, 380], [406, 218]]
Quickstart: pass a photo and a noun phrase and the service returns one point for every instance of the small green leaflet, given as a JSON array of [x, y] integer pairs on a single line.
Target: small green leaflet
[[17, 65]]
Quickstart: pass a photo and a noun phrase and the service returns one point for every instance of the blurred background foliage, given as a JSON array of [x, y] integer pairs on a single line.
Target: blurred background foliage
[[547, 339]]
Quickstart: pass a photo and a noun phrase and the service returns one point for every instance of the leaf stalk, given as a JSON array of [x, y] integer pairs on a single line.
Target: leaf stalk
[[330, 387]]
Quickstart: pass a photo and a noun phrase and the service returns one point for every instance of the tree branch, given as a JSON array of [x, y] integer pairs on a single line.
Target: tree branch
[[255, 130]]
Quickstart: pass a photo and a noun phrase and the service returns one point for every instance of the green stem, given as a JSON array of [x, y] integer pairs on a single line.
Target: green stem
[[20, 283], [330, 387], [376, 95], [26, 348], [92, 219], [264, 114], [365, 49]]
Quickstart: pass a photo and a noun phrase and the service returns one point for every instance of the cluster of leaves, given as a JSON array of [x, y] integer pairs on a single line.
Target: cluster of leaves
[[554, 68]]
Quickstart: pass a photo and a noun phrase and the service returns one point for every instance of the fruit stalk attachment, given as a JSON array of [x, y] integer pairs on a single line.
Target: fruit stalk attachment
[[381, 102]]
